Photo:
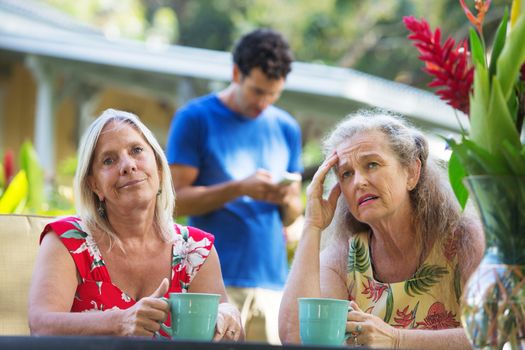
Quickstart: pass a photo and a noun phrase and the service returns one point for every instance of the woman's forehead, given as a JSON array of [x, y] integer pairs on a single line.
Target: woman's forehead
[[365, 141], [123, 129], [117, 132]]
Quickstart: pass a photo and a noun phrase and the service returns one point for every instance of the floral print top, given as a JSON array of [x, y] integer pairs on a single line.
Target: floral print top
[[191, 247], [427, 300]]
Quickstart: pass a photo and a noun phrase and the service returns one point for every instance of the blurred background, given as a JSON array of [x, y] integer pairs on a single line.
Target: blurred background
[[62, 62]]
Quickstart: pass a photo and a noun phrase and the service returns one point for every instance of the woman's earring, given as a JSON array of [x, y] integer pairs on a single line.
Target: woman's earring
[[159, 192], [101, 210]]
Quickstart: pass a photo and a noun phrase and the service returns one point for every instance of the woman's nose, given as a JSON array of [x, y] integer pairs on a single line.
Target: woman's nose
[[127, 165], [359, 179]]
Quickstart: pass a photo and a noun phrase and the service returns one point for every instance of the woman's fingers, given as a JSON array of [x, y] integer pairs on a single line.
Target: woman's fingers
[[228, 325], [329, 162], [354, 306], [219, 327], [334, 195]]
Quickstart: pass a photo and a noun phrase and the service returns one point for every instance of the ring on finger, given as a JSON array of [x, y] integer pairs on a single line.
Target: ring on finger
[[358, 329]]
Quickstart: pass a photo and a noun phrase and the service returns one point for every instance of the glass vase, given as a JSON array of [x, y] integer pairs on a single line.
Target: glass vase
[[493, 303]]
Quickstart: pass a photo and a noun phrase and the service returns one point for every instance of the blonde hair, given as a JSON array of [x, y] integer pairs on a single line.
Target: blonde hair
[[87, 202]]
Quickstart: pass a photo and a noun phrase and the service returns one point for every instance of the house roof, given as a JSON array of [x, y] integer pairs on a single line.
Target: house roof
[[29, 27]]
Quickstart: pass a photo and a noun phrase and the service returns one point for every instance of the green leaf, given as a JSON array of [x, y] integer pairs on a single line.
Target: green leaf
[[479, 101], [499, 125], [515, 160], [76, 234], [476, 160], [511, 57], [15, 194], [389, 305], [424, 278], [358, 260], [476, 48], [35, 176], [456, 173], [499, 42]]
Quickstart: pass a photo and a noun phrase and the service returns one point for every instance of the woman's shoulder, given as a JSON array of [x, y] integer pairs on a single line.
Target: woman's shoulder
[[195, 233], [471, 246], [65, 227], [336, 251]]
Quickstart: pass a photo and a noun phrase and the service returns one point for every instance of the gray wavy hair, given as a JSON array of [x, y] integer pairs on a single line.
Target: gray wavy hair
[[87, 202], [436, 211]]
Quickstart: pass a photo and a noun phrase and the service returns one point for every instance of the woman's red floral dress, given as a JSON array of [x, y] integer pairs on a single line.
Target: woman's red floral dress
[[96, 292]]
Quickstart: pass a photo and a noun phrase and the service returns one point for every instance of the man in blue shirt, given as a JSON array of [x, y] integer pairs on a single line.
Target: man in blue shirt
[[230, 155]]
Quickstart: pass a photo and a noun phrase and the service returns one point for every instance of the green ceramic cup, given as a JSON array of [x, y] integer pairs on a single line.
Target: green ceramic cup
[[193, 316], [322, 321]]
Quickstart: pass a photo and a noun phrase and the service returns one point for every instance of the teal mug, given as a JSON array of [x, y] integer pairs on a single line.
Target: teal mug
[[322, 321], [193, 316]]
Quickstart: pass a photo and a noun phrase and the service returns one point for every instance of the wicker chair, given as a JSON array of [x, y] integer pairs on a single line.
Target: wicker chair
[[19, 235]]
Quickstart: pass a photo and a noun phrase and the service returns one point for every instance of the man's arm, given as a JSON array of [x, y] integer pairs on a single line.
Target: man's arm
[[292, 205], [199, 200]]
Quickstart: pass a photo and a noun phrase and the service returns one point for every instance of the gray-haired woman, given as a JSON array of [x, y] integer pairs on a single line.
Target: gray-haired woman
[[123, 252], [401, 250]]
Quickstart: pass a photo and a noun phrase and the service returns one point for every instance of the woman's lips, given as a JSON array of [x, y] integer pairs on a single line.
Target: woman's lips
[[131, 183], [366, 198]]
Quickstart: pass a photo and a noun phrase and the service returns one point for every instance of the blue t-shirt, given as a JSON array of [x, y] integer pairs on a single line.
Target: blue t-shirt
[[226, 146]]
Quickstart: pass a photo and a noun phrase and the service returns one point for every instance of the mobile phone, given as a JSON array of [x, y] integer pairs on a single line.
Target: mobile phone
[[287, 178]]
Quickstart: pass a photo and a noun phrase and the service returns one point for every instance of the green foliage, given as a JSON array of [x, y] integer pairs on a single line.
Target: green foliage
[[25, 193], [366, 35], [15, 195], [456, 173], [493, 145], [35, 176], [499, 42]]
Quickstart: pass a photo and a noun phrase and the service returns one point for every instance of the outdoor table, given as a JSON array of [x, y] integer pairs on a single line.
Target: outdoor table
[[124, 343]]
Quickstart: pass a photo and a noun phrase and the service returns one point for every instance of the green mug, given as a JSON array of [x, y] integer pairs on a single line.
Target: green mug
[[322, 321], [193, 316]]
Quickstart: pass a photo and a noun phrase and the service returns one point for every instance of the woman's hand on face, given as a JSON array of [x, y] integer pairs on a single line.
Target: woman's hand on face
[[369, 330], [144, 318], [319, 211], [229, 326]]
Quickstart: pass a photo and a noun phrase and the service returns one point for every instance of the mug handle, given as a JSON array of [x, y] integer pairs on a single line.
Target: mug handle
[[163, 326]]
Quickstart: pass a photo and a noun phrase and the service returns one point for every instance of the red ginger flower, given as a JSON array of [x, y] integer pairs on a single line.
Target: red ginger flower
[[448, 63], [477, 21]]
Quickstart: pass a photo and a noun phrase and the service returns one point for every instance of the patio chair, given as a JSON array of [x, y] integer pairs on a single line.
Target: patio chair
[[19, 236]]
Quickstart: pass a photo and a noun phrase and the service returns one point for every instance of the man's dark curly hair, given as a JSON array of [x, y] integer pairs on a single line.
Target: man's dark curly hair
[[266, 49]]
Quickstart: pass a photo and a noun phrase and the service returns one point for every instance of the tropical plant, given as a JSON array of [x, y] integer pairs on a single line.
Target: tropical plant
[[490, 158], [22, 191], [487, 87]]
